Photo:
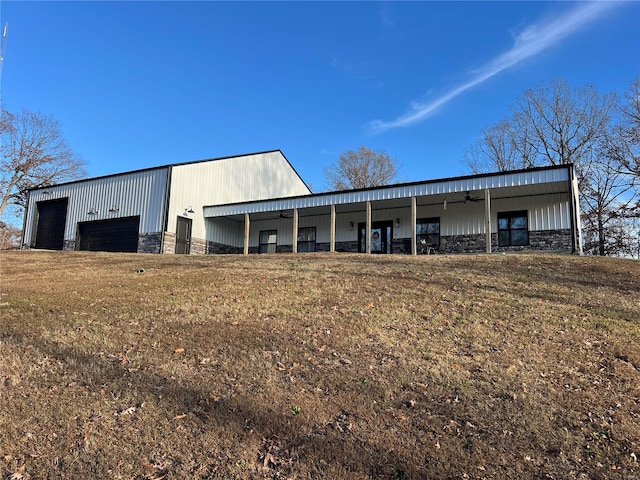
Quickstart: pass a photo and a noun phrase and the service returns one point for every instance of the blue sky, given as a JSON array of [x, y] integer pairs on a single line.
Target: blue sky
[[142, 84]]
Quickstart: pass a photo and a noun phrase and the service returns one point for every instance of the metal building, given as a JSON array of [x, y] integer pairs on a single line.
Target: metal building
[[157, 210], [258, 203]]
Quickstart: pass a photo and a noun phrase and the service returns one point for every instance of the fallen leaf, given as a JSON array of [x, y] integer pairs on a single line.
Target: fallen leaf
[[178, 350], [18, 473], [180, 417], [268, 458]]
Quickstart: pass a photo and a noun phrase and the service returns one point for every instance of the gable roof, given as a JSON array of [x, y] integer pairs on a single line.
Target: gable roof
[[178, 164]]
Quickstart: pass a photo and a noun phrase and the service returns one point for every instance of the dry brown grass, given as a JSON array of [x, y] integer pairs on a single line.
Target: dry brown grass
[[318, 366]]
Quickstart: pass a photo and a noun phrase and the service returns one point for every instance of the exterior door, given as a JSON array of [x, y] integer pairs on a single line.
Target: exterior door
[[183, 235], [52, 218], [381, 236]]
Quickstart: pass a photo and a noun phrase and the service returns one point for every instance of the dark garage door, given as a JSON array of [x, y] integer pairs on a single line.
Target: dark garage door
[[52, 216], [117, 235]]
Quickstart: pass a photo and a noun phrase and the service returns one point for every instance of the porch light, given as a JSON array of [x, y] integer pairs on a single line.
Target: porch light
[[397, 222], [188, 210], [350, 225], [93, 211], [113, 209]]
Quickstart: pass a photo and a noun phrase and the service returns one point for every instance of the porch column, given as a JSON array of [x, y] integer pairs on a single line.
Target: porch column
[[246, 233], [368, 229], [295, 230], [332, 239], [487, 219], [414, 238]]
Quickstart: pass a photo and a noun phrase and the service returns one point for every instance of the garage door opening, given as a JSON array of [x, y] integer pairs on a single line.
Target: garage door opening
[[116, 235], [52, 217]]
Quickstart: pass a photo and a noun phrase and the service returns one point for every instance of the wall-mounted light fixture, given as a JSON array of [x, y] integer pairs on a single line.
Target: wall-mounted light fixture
[[188, 210], [397, 222], [93, 211], [47, 192], [350, 225], [445, 204], [113, 209]]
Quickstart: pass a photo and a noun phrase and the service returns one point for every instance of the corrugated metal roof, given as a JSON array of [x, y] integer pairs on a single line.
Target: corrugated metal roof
[[522, 182]]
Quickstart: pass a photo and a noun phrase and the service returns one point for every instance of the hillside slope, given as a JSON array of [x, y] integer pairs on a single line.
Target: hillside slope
[[318, 366]]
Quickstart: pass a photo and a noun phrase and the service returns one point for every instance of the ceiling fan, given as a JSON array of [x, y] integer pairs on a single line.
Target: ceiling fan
[[469, 198]]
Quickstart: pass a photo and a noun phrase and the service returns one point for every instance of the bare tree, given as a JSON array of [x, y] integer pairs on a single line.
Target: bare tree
[[33, 154], [605, 203], [361, 168], [564, 123], [554, 124], [504, 146], [631, 129], [551, 124], [9, 236], [623, 141]]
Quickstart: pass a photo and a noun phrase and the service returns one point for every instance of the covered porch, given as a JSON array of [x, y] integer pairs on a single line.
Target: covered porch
[[525, 210]]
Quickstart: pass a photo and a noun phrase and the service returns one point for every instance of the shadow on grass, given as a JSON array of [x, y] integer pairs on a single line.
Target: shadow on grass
[[286, 446]]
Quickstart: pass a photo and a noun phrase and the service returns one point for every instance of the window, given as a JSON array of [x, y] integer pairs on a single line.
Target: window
[[307, 239], [268, 241], [513, 229], [428, 232]]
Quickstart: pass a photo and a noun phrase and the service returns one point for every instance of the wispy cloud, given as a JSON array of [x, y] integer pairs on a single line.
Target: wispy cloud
[[530, 42]]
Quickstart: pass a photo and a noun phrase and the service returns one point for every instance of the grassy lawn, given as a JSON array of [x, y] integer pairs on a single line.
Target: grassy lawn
[[341, 366]]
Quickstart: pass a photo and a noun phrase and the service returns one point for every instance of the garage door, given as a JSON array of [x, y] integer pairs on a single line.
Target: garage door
[[52, 216], [117, 235]]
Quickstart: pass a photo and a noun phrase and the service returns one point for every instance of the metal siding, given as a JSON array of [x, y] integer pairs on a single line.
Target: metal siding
[[283, 227], [548, 212], [322, 224], [139, 193], [224, 231], [462, 219], [237, 179]]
